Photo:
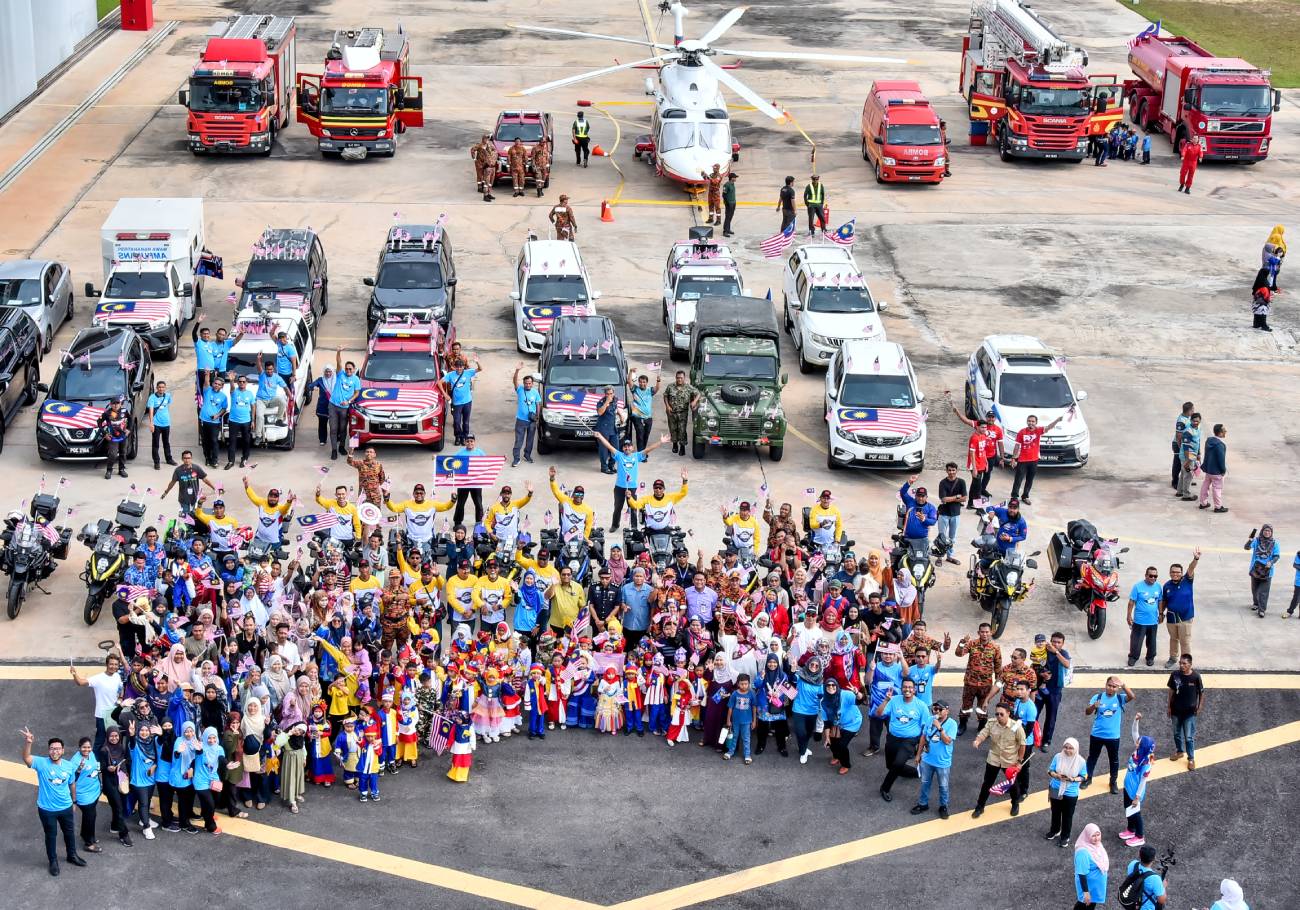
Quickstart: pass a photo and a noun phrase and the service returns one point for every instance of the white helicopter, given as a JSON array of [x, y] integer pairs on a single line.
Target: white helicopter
[[691, 129]]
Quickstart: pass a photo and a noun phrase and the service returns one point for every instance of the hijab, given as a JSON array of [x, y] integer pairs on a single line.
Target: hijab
[[878, 573], [212, 751], [1068, 766], [176, 666], [772, 674], [1264, 543], [280, 682], [184, 742], [1096, 851], [531, 595], [617, 568], [116, 752], [1230, 895], [1142, 755], [253, 722], [811, 671]]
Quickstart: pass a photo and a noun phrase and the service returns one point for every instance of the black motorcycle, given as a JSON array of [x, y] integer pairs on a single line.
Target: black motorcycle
[[112, 544], [997, 579], [661, 543], [31, 546], [576, 552], [914, 557]]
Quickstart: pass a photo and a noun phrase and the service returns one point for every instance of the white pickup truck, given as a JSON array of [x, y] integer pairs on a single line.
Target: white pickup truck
[[696, 268]]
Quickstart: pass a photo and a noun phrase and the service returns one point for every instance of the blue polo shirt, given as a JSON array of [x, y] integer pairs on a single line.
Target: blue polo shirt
[[1110, 714], [241, 405], [1086, 866], [1179, 603], [1146, 603], [637, 601], [461, 383], [1153, 886], [345, 389], [1054, 785], [267, 386], [214, 403], [53, 783], [161, 407], [938, 754], [85, 769], [629, 467], [221, 353], [527, 403], [924, 679], [906, 719], [643, 400], [204, 355], [284, 356], [1027, 713]]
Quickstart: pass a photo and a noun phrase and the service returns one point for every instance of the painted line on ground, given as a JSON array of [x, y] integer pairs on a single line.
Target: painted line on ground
[[333, 342]]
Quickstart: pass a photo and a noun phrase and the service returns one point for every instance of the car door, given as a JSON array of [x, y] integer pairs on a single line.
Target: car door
[[302, 343], [834, 376], [10, 373], [799, 309], [62, 295], [448, 274], [788, 277]]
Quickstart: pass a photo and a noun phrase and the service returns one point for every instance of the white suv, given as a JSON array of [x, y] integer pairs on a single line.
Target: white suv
[[874, 412], [550, 282], [696, 268], [260, 324], [1013, 376], [827, 302]]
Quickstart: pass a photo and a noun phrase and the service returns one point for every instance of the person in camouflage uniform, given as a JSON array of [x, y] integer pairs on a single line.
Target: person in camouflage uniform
[[426, 697], [714, 183], [984, 659], [679, 400], [517, 159], [485, 165], [566, 223], [541, 166]]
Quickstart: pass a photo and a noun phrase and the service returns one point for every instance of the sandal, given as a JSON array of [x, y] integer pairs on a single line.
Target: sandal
[[241, 815], [261, 806], [248, 804], [293, 809]]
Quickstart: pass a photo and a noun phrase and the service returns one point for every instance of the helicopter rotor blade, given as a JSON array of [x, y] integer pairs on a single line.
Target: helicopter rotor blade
[[760, 104], [569, 80], [805, 55], [573, 34], [721, 26]]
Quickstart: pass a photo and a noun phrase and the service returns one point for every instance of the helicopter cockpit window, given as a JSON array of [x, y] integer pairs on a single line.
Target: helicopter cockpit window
[[674, 113], [677, 136], [715, 136], [714, 113]]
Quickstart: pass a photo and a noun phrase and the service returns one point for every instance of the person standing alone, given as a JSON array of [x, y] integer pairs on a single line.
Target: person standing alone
[[728, 203], [160, 423], [1183, 421], [581, 130], [528, 403], [785, 204], [814, 200], [1265, 551], [1186, 696], [1214, 467], [1192, 152]]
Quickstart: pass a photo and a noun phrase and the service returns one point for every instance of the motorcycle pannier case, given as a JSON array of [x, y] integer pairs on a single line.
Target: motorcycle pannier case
[[1062, 556], [60, 549], [45, 505], [130, 514]]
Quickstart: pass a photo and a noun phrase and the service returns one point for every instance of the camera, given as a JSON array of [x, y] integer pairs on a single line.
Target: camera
[[1166, 861]]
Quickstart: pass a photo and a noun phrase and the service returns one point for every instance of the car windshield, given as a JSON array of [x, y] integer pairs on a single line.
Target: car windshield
[[354, 101], [226, 96], [244, 363], [1063, 101], [137, 286], [276, 275], [675, 135], [1236, 99], [410, 275], [914, 134], [400, 366], [715, 136], [693, 287], [840, 300], [570, 371], [873, 391], [19, 291], [1035, 390], [759, 363], [96, 384], [556, 289], [525, 132]]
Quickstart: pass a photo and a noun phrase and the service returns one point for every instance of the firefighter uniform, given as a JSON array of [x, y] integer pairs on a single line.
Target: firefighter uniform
[[517, 159], [714, 182], [814, 199], [485, 166], [566, 223], [541, 165], [1191, 154], [678, 400], [581, 140]]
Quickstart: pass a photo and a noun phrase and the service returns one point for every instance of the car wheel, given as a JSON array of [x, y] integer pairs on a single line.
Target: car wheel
[[776, 452], [48, 344], [697, 448], [310, 391], [173, 347], [804, 366], [133, 447], [68, 316], [544, 446], [291, 440], [831, 463], [865, 155], [789, 323], [29, 392]]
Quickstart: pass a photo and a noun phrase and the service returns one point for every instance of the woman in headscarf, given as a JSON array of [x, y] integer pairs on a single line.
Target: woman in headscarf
[[843, 719], [1091, 867], [232, 772], [846, 663], [293, 765], [876, 578], [114, 780], [278, 682], [907, 598], [252, 728], [1265, 551], [297, 707], [1135, 786], [1275, 246], [212, 711], [207, 777], [617, 565], [1230, 897], [719, 682], [185, 753], [699, 643], [175, 666], [1065, 773], [529, 607], [807, 704]]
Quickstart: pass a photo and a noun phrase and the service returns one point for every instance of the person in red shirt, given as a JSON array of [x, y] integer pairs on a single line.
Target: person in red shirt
[[981, 455], [1026, 455], [1192, 153]]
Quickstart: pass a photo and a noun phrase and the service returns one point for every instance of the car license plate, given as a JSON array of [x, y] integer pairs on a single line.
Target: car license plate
[[737, 443], [584, 434], [79, 450], [873, 456], [1047, 459], [913, 177], [393, 427]]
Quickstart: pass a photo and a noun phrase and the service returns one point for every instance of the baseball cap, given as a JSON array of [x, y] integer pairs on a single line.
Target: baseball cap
[[939, 705], [218, 502]]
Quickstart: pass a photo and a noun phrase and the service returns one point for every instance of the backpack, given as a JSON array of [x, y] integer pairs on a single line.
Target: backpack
[[1132, 892]]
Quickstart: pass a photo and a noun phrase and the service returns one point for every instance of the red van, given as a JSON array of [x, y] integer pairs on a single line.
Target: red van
[[901, 135]]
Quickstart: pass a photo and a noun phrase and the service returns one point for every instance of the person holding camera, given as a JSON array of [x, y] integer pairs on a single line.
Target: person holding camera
[[1143, 882]]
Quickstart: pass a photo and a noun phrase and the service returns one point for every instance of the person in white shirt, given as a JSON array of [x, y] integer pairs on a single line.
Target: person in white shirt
[[107, 687]]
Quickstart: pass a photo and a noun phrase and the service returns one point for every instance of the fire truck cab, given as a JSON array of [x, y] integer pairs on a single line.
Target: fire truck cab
[[365, 96], [1029, 88]]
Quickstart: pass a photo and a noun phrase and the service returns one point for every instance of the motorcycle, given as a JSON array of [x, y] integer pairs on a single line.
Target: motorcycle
[[833, 552], [31, 546], [661, 543], [574, 551], [112, 544], [1087, 564], [915, 557], [997, 579]]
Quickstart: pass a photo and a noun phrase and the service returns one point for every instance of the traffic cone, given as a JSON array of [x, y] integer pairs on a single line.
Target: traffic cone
[[606, 211], [598, 151]]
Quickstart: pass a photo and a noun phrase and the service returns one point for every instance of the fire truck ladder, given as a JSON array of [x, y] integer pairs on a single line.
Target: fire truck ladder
[[1011, 30]]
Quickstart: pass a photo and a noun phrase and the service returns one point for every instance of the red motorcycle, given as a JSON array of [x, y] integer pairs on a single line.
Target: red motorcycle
[[1087, 565]]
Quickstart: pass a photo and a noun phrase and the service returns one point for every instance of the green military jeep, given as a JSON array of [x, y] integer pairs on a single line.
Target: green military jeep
[[736, 366]]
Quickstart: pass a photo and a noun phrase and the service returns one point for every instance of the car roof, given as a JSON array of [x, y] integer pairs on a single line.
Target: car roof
[[12, 316], [279, 244], [864, 354], [826, 253], [23, 268], [550, 254], [1021, 352], [103, 344], [578, 329]]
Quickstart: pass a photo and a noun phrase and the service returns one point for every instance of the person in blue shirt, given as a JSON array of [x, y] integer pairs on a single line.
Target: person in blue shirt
[[142, 746], [1108, 705], [885, 672], [1144, 616], [54, 793], [936, 758], [158, 407], [272, 399], [1064, 775], [1153, 885], [740, 718], [922, 673], [286, 359], [607, 428], [807, 704], [344, 392], [240, 422], [1231, 897], [1146, 149], [320, 388], [842, 719], [213, 409], [1091, 868], [908, 717], [921, 515], [636, 607], [641, 403], [1057, 666], [185, 755], [465, 493], [1024, 710], [210, 355], [207, 774], [458, 384], [1189, 453], [1178, 608], [87, 788], [1011, 525], [528, 405], [627, 464], [1265, 551]]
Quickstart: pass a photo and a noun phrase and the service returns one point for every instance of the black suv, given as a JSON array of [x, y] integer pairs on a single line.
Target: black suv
[[416, 274], [102, 364], [20, 364], [288, 264], [580, 357]]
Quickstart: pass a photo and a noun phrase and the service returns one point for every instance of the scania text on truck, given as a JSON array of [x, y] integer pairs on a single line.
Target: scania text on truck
[[901, 137], [239, 93], [1186, 92], [365, 96], [1029, 89]]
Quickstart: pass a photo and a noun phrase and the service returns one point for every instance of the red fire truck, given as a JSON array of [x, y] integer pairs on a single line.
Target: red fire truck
[[1186, 92], [365, 97], [239, 93], [1029, 88]]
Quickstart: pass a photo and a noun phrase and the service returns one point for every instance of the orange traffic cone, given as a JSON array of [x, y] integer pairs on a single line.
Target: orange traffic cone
[[606, 211], [598, 151]]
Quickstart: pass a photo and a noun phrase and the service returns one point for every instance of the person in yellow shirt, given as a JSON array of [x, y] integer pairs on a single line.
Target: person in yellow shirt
[[503, 518], [364, 586], [221, 527], [566, 597], [825, 521], [460, 595], [492, 595], [410, 563], [574, 514], [349, 526], [547, 573], [423, 592], [419, 513], [271, 514], [658, 505], [743, 527]]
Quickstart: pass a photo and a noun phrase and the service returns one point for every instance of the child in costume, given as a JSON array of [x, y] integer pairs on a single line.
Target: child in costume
[[320, 760], [557, 694], [535, 704], [590, 694], [511, 705], [633, 700], [347, 750], [681, 696], [488, 712], [388, 733], [462, 747], [408, 737], [368, 766], [658, 684], [609, 694]]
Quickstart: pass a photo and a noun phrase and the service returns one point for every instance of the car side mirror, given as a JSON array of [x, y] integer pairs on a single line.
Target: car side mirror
[[187, 289], [796, 304], [595, 295], [5, 378], [90, 290], [137, 388], [1031, 563], [986, 394], [920, 396], [833, 394], [879, 139], [745, 292], [183, 98], [239, 282], [882, 305], [368, 282], [42, 387], [451, 282], [514, 295], [785, 377], [317, 284], [1081, 396]]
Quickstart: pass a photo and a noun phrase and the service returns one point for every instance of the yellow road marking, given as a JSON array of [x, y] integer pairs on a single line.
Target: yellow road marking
[[692, 203]]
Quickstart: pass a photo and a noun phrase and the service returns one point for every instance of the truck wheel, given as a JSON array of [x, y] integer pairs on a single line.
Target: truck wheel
[[676, 353], [271, 143], [785, 314], [865, 155], [1004, 149], [173, 346], [1179, 138], [310, 391], [697, 448], [740, 393], [544, 446], [775, 452]]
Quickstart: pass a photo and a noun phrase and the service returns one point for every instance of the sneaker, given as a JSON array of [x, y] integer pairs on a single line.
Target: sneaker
[[749, 761], [1170, 662], [1151, 661], [363, 798], [1063, 843], [1137, 842], [1130, 662], [979, 810], [886, 796], [1087, 782], [943, 811], [1126, 834], [918, 809], [126, 841], [1051, 835], [803, 759], [375, 798], [190, 829], [1026, 500], [726, 756], [173, 828], [1015, 809], [1221, 509], [148, 834]]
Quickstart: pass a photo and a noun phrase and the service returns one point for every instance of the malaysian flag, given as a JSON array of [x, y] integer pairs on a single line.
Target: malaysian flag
[[468, 470], [888, 420], [439, 734], [132, 593], [818, 561], [582, 622], [319, 522], [776, 244], [568, 401], [543, 317], [396, 398], [134, 311], [69, 414], [843, 235]]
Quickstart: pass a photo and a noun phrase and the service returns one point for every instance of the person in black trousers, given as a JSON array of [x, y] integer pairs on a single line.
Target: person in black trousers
[[1183, 422], [785, 204], [464, 493], [115, 427], [54, 796]]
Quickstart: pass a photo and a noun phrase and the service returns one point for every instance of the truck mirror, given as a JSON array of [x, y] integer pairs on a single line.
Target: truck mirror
[[1277, 99], [137, 388], [879, 139], [785, 377], [187, 289], [1189, 97], [183, 98], [451, 282], [368, 282], [90, 290], [514, 295], [239, 282], [986, 394]]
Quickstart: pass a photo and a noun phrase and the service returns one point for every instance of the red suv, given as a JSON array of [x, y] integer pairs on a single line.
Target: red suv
[[530, 128], [400, 401]]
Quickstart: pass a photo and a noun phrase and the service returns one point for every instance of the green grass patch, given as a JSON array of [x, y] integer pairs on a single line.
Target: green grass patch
[[1265, 32], [104, 7]]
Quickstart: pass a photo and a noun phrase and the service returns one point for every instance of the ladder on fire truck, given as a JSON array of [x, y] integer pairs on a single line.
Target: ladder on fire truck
[[271, 30], [364, 43], [1011, 30]]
